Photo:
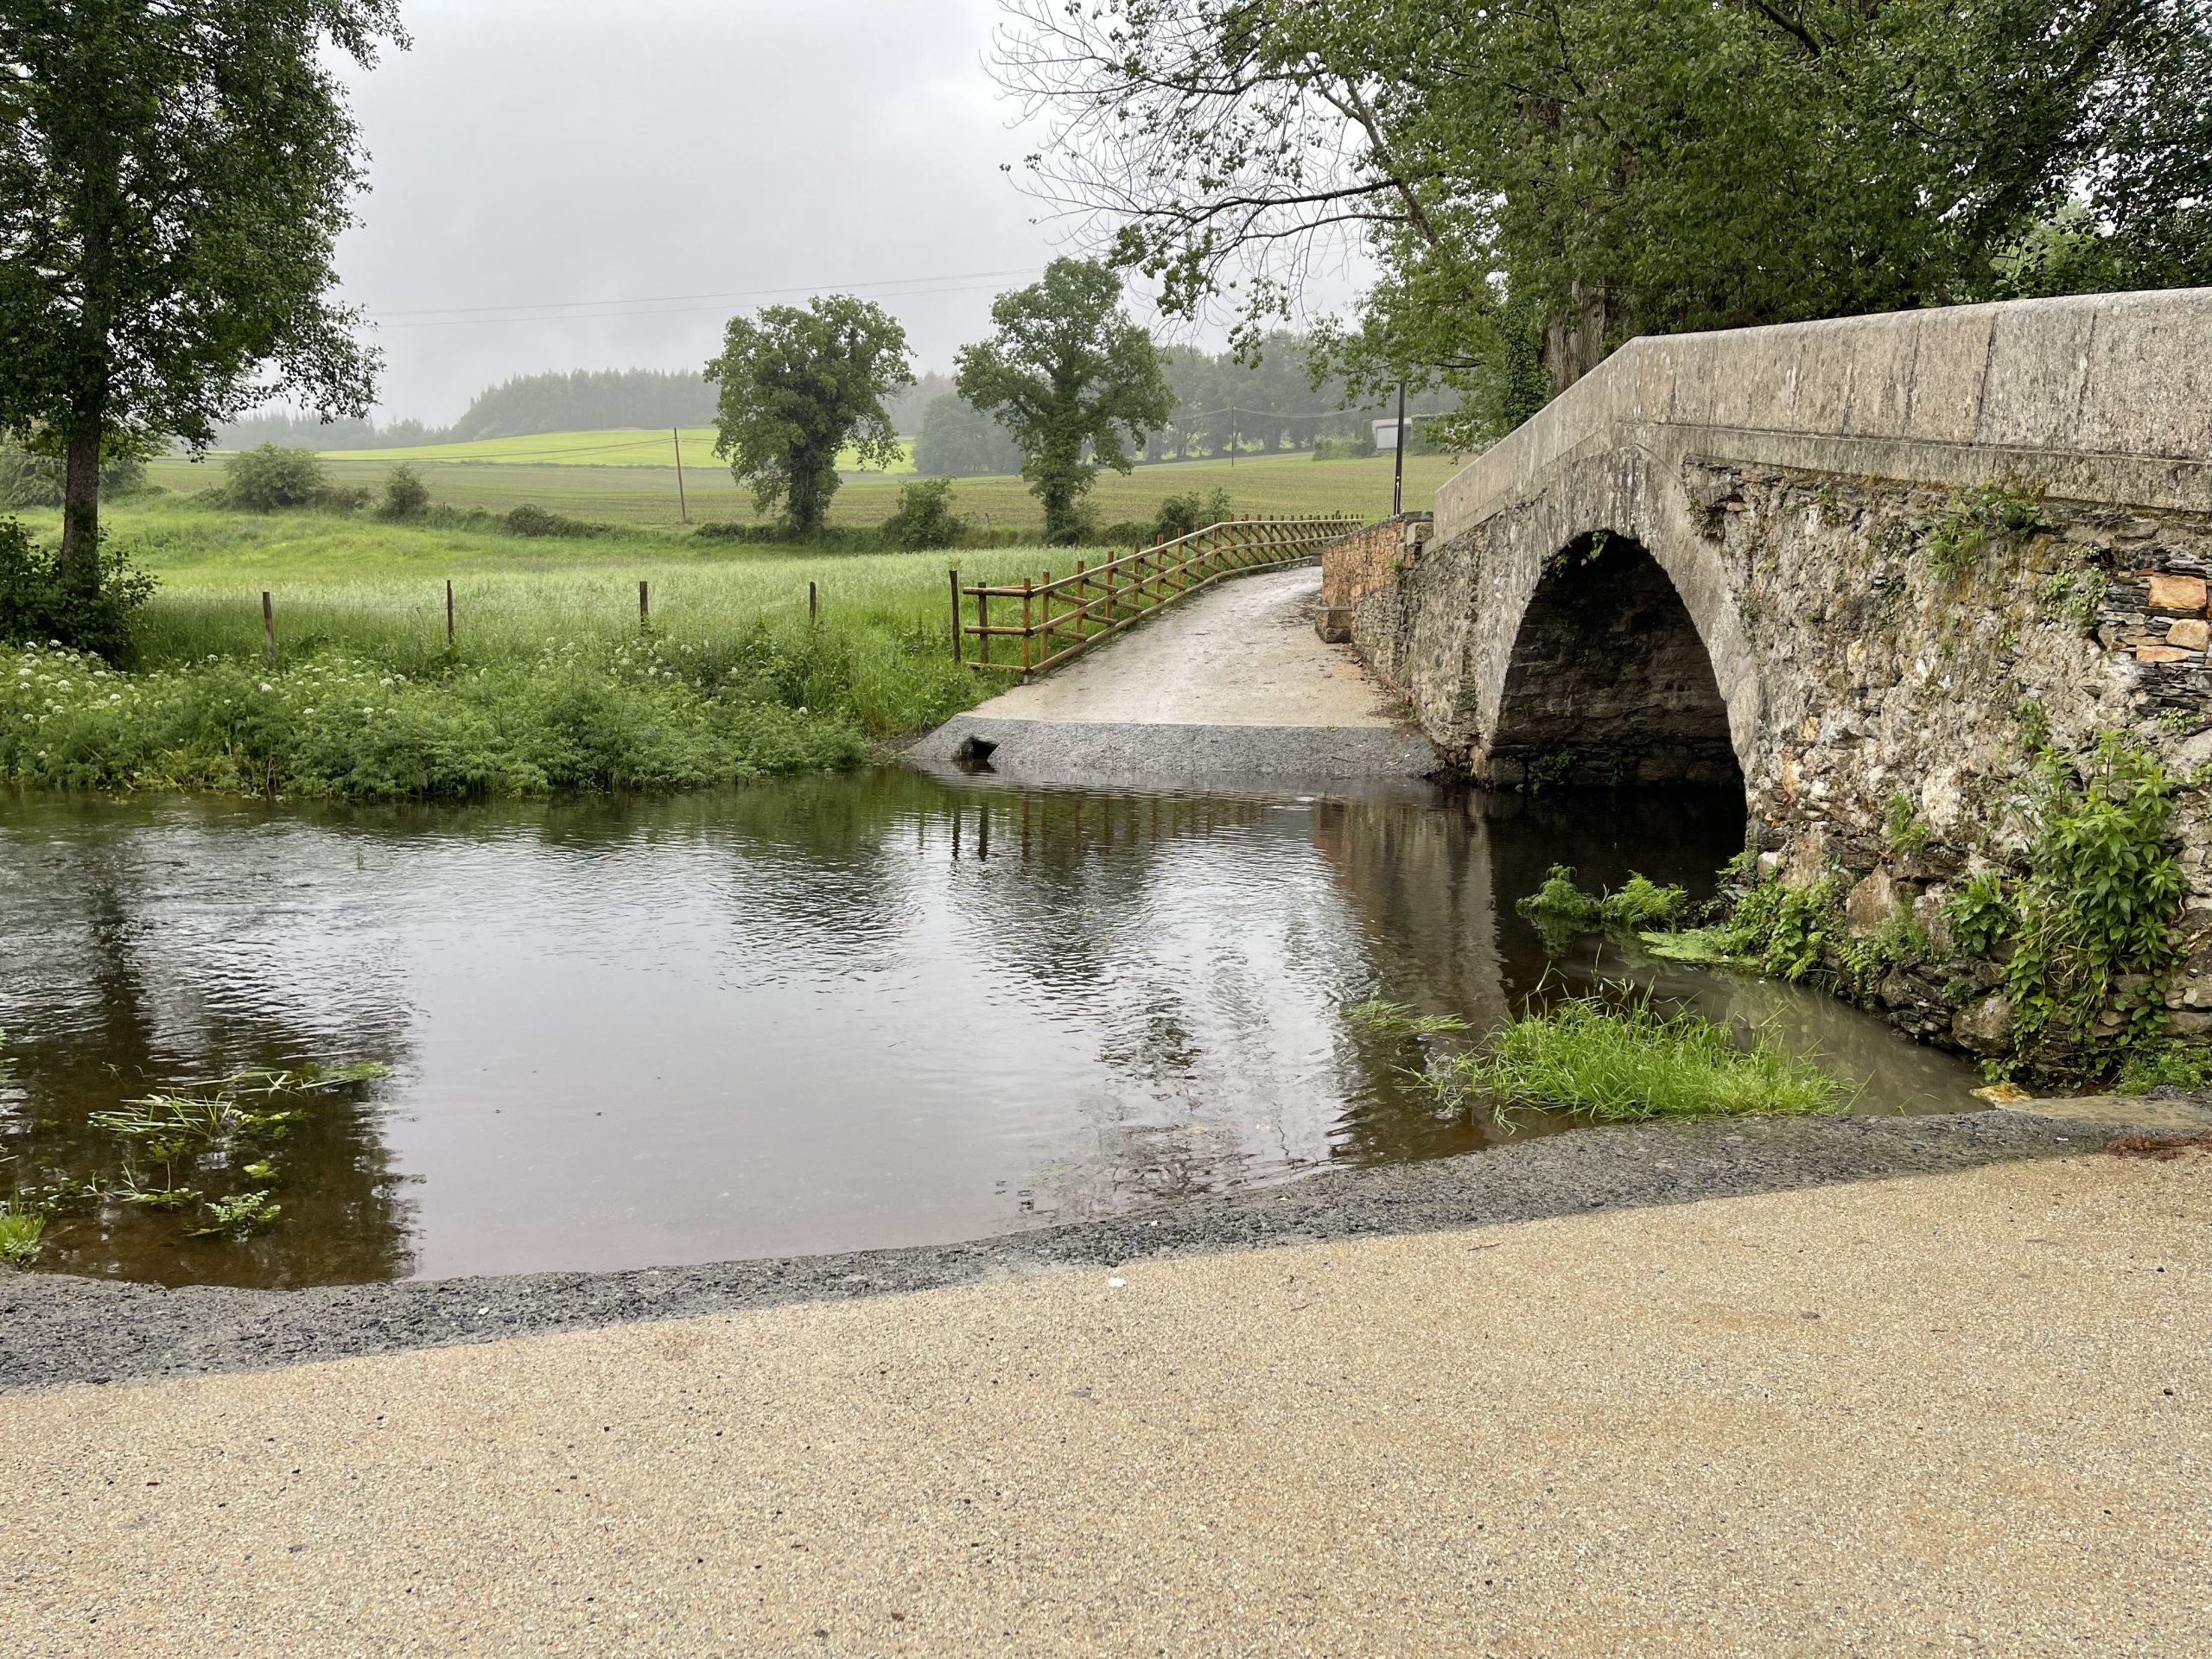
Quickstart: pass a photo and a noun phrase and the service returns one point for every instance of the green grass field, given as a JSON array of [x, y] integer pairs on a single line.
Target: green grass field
[[618, 492], [550, 681], [380, 587]]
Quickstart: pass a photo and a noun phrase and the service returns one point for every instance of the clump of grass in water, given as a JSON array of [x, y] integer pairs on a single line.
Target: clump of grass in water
[[1561, 909], [1384, 1018], [20, 1231], [1631, 1061]]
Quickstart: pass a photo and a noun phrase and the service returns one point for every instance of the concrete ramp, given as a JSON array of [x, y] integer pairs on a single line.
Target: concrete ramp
[[1231, 687]]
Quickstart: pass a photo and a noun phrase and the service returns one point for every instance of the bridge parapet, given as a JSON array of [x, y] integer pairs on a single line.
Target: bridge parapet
[[2102, 399]]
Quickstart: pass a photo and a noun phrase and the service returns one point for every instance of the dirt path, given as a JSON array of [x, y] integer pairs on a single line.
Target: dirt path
[[1242, 653], [1953, 1413]]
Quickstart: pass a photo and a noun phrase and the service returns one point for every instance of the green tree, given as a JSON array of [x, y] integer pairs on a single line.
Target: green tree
[[1538, 182], [1072, 379], [798, 388], [173, 178]]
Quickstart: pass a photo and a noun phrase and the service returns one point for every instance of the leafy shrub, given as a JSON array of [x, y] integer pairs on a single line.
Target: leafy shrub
[[1630, 1061], [529, 519], [1787, 931], [1327, 449], [2092, 941], [1181, 515], [925, 517], [38, 607], [405, 494], [1982, 918], [270, 479]]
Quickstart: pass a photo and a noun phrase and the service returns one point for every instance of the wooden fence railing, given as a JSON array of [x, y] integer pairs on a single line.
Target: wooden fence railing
[[1067, 614]]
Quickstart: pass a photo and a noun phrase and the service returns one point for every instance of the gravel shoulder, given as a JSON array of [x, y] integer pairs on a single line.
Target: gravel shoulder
[[56, 1330]]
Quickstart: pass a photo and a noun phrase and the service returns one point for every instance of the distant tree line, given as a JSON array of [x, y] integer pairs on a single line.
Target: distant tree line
[[1223, 403]]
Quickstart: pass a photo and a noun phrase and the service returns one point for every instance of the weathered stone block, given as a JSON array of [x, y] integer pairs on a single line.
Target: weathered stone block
[[2169, 593], [2190, 633], [2161, 654], [1872, 903], [1986, 1026]]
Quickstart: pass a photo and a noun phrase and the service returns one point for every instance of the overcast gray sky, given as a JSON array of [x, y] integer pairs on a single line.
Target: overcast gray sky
[[541, 153]]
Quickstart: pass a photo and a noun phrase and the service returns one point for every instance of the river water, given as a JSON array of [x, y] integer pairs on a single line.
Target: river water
[[824, 1015]]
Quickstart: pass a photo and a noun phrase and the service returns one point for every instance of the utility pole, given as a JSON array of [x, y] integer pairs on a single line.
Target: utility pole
[[1398, 467], [682, 508]]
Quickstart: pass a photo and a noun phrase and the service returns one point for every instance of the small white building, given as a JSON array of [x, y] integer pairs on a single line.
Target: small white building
[[1386, 436]]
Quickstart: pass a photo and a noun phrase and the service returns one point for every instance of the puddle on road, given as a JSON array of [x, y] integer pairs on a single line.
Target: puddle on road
[[826, 1014]]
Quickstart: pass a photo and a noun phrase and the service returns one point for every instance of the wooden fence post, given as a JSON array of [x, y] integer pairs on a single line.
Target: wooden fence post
[[449, 614], [813, 606], [645, 607], [955, 575], [268, 627]]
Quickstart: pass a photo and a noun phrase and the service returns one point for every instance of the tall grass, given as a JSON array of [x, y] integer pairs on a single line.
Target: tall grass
[[1631, 1061]]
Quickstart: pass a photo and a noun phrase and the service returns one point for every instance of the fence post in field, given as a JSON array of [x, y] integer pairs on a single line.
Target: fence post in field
[[955, 575], [268, 627], [813, 605], [983, 627], [645, 607], [1025, 623], [449, 614]]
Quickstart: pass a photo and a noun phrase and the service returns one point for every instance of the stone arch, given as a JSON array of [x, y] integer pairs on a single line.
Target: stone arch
[[1607, 679]]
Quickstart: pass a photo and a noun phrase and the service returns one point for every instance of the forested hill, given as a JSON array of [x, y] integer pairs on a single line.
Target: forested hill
[[586, 401]]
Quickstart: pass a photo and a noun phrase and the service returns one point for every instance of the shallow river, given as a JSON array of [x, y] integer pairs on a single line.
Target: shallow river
[[820, 1015]]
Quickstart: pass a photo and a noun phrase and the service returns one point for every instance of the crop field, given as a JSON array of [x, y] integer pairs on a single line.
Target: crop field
[[629, 493]]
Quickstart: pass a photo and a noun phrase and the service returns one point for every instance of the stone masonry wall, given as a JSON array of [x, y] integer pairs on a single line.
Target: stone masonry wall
[[1855, 674], [1366, 562]]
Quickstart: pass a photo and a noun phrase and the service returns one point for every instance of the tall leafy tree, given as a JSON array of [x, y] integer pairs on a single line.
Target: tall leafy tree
[[798, 387], [1538, 180], [174, 175], [1072, 379]]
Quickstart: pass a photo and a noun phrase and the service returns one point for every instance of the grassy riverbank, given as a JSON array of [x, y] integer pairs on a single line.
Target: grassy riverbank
[[550, 681]]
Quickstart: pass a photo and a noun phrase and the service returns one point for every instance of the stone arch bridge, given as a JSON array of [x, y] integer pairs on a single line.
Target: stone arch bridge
[[1855, 563]]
